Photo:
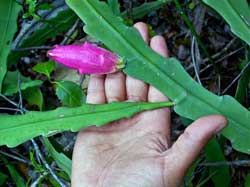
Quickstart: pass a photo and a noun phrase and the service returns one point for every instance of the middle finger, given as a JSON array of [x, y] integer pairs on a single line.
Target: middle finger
[[137, 90]]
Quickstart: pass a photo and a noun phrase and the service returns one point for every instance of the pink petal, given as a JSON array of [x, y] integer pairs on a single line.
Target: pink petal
[[86, 58]]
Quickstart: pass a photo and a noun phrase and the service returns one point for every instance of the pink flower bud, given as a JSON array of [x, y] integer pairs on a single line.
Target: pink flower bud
[[87, 58]]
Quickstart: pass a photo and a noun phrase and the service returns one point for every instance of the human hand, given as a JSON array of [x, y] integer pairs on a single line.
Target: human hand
[[136, 152]]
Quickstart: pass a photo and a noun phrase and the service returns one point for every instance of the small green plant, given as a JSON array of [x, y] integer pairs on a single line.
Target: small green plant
[[31, 9]]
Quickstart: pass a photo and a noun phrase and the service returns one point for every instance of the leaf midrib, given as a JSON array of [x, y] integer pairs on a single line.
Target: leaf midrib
[[7, 24], [153, 64], [135, 105]]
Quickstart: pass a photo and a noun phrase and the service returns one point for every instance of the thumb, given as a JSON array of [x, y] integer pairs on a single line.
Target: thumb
[[188, 146]]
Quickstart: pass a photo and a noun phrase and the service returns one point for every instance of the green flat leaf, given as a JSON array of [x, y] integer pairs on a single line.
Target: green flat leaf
[[47, 123], [114, 6], [45, 68], [242, 85], [166, 74], [3, 178], [205, 180], [45, 6], [146, 8], [69, 93], [34, 96], [39, 168], [222, 175], [191, 173], [10, 85], [9, 10], [14, 174], [61, 159], [247, 180], [237, 15]]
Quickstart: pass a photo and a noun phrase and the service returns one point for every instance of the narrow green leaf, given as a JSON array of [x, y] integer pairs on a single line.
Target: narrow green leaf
[[242, 85], [14, 174], [146, 8], [237, 15], [10, 85], [247, 180], [69, 93], [47, 123], [114, 6], [3, 178], [222, 175], [45, 68], [45, 6], [191, 173], [61, 159], [34, 96], [205, 180], [166, 74], [9, 10], [39, 168]]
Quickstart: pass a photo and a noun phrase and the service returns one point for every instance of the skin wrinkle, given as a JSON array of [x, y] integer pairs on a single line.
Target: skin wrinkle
[[131, 97], [94, 90], [103, 147], [161, 142], [109, 163], [156, 158], [154, 138]]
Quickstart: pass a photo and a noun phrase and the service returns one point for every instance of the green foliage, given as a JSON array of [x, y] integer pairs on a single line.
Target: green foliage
[[243, 83], [9, 10], [32, 8], [45, 68], [14, 174], [61, 159], [34, 96], [10, 85], [166, 74], [222, 175], [37, 166], [62, 119], [191, 173], [237, 15], [45, 6], [204, 179], [69, 93], [114, 6], [191, 5], [247, 180], [144, 9], [191, 27], [55, 22], [3, 178]]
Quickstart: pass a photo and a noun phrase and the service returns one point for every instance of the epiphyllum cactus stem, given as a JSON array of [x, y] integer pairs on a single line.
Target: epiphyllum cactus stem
[[87, 58]]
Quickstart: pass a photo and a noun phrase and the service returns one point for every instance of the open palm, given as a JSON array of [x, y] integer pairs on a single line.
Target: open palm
[[136, 152]]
